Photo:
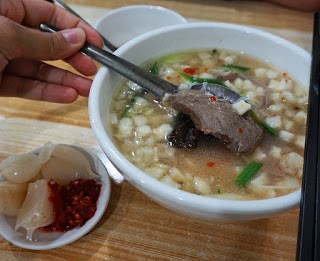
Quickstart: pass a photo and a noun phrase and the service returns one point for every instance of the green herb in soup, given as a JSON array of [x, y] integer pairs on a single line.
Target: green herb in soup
[[141, 124]]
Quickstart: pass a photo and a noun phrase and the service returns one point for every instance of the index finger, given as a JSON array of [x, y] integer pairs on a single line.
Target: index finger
[[47, 12]]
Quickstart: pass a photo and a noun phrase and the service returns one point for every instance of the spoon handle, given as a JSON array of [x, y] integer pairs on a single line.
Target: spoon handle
[[69, 9], [146, 80]]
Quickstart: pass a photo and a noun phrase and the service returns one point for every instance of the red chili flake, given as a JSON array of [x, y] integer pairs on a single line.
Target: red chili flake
[[211, 164], [213, 98], [240, 130], [73, 204], [284, 74], [189, 70]]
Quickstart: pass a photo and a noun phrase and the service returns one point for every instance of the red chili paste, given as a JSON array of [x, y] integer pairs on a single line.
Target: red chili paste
[[211, 164], [190, 71], [213, 98], [73, 204]]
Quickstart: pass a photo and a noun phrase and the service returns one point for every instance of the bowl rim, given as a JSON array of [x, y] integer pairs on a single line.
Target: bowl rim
[[137, 7], [120, 14], [212, 205]]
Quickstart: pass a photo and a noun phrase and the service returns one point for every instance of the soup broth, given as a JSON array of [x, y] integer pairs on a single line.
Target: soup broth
[[141, 124]]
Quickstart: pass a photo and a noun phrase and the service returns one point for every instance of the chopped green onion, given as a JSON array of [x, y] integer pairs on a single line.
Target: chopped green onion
[[175, 58], [233, 67], [201, 80], [128, 107], [264, 125], [269, 129], [214, 51], [219, 191], [154, 69], [249, 171]]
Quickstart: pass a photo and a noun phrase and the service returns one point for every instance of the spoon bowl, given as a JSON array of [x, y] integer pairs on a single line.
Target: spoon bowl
[[218, 90]]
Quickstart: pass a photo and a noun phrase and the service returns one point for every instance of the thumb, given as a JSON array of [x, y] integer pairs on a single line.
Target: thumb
[[23, 42], [52, 46]]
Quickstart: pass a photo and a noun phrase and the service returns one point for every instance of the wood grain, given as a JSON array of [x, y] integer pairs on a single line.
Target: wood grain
[[134, 227]]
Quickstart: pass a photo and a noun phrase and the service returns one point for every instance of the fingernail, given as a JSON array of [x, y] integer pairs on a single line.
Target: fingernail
[[74, 35]]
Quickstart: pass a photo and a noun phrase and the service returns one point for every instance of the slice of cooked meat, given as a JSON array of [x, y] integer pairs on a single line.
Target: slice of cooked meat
[[217, 117], [227, 76], [186, 135]]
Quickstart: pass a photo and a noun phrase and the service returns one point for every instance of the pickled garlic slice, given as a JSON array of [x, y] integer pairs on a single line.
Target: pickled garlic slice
[[46, 152], [21, 168], [25, 167], [12, 196], [67, 164], [37, 210]]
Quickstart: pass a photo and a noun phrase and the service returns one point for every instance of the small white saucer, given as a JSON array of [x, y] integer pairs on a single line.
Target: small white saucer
[[125, 23], [46, 240]]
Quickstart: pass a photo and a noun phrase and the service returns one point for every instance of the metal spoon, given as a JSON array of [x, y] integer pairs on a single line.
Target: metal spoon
[[218, 91], [146, 80], [68, 8]]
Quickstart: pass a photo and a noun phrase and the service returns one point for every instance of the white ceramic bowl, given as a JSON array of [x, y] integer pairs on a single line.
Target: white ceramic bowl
[[279, 52], [53, 240], [123, 24]]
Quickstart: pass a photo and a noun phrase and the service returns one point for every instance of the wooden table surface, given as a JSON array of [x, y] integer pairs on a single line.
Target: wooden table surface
[[134, 227]]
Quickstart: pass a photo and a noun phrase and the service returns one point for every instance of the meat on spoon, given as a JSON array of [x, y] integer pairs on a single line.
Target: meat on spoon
[[218, 118]]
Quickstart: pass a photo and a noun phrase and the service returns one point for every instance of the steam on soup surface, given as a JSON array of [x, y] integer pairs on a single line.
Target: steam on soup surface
[[141, 124]]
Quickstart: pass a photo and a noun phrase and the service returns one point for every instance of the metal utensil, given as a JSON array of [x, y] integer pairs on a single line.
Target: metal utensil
[[218, 91], [106, 42], [127, 69], [146, 80]]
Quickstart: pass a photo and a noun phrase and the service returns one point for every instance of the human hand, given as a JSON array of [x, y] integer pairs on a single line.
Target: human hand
[[23, 48]]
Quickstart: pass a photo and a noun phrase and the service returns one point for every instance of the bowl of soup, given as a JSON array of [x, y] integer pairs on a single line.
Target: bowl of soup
[[199, 174]]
